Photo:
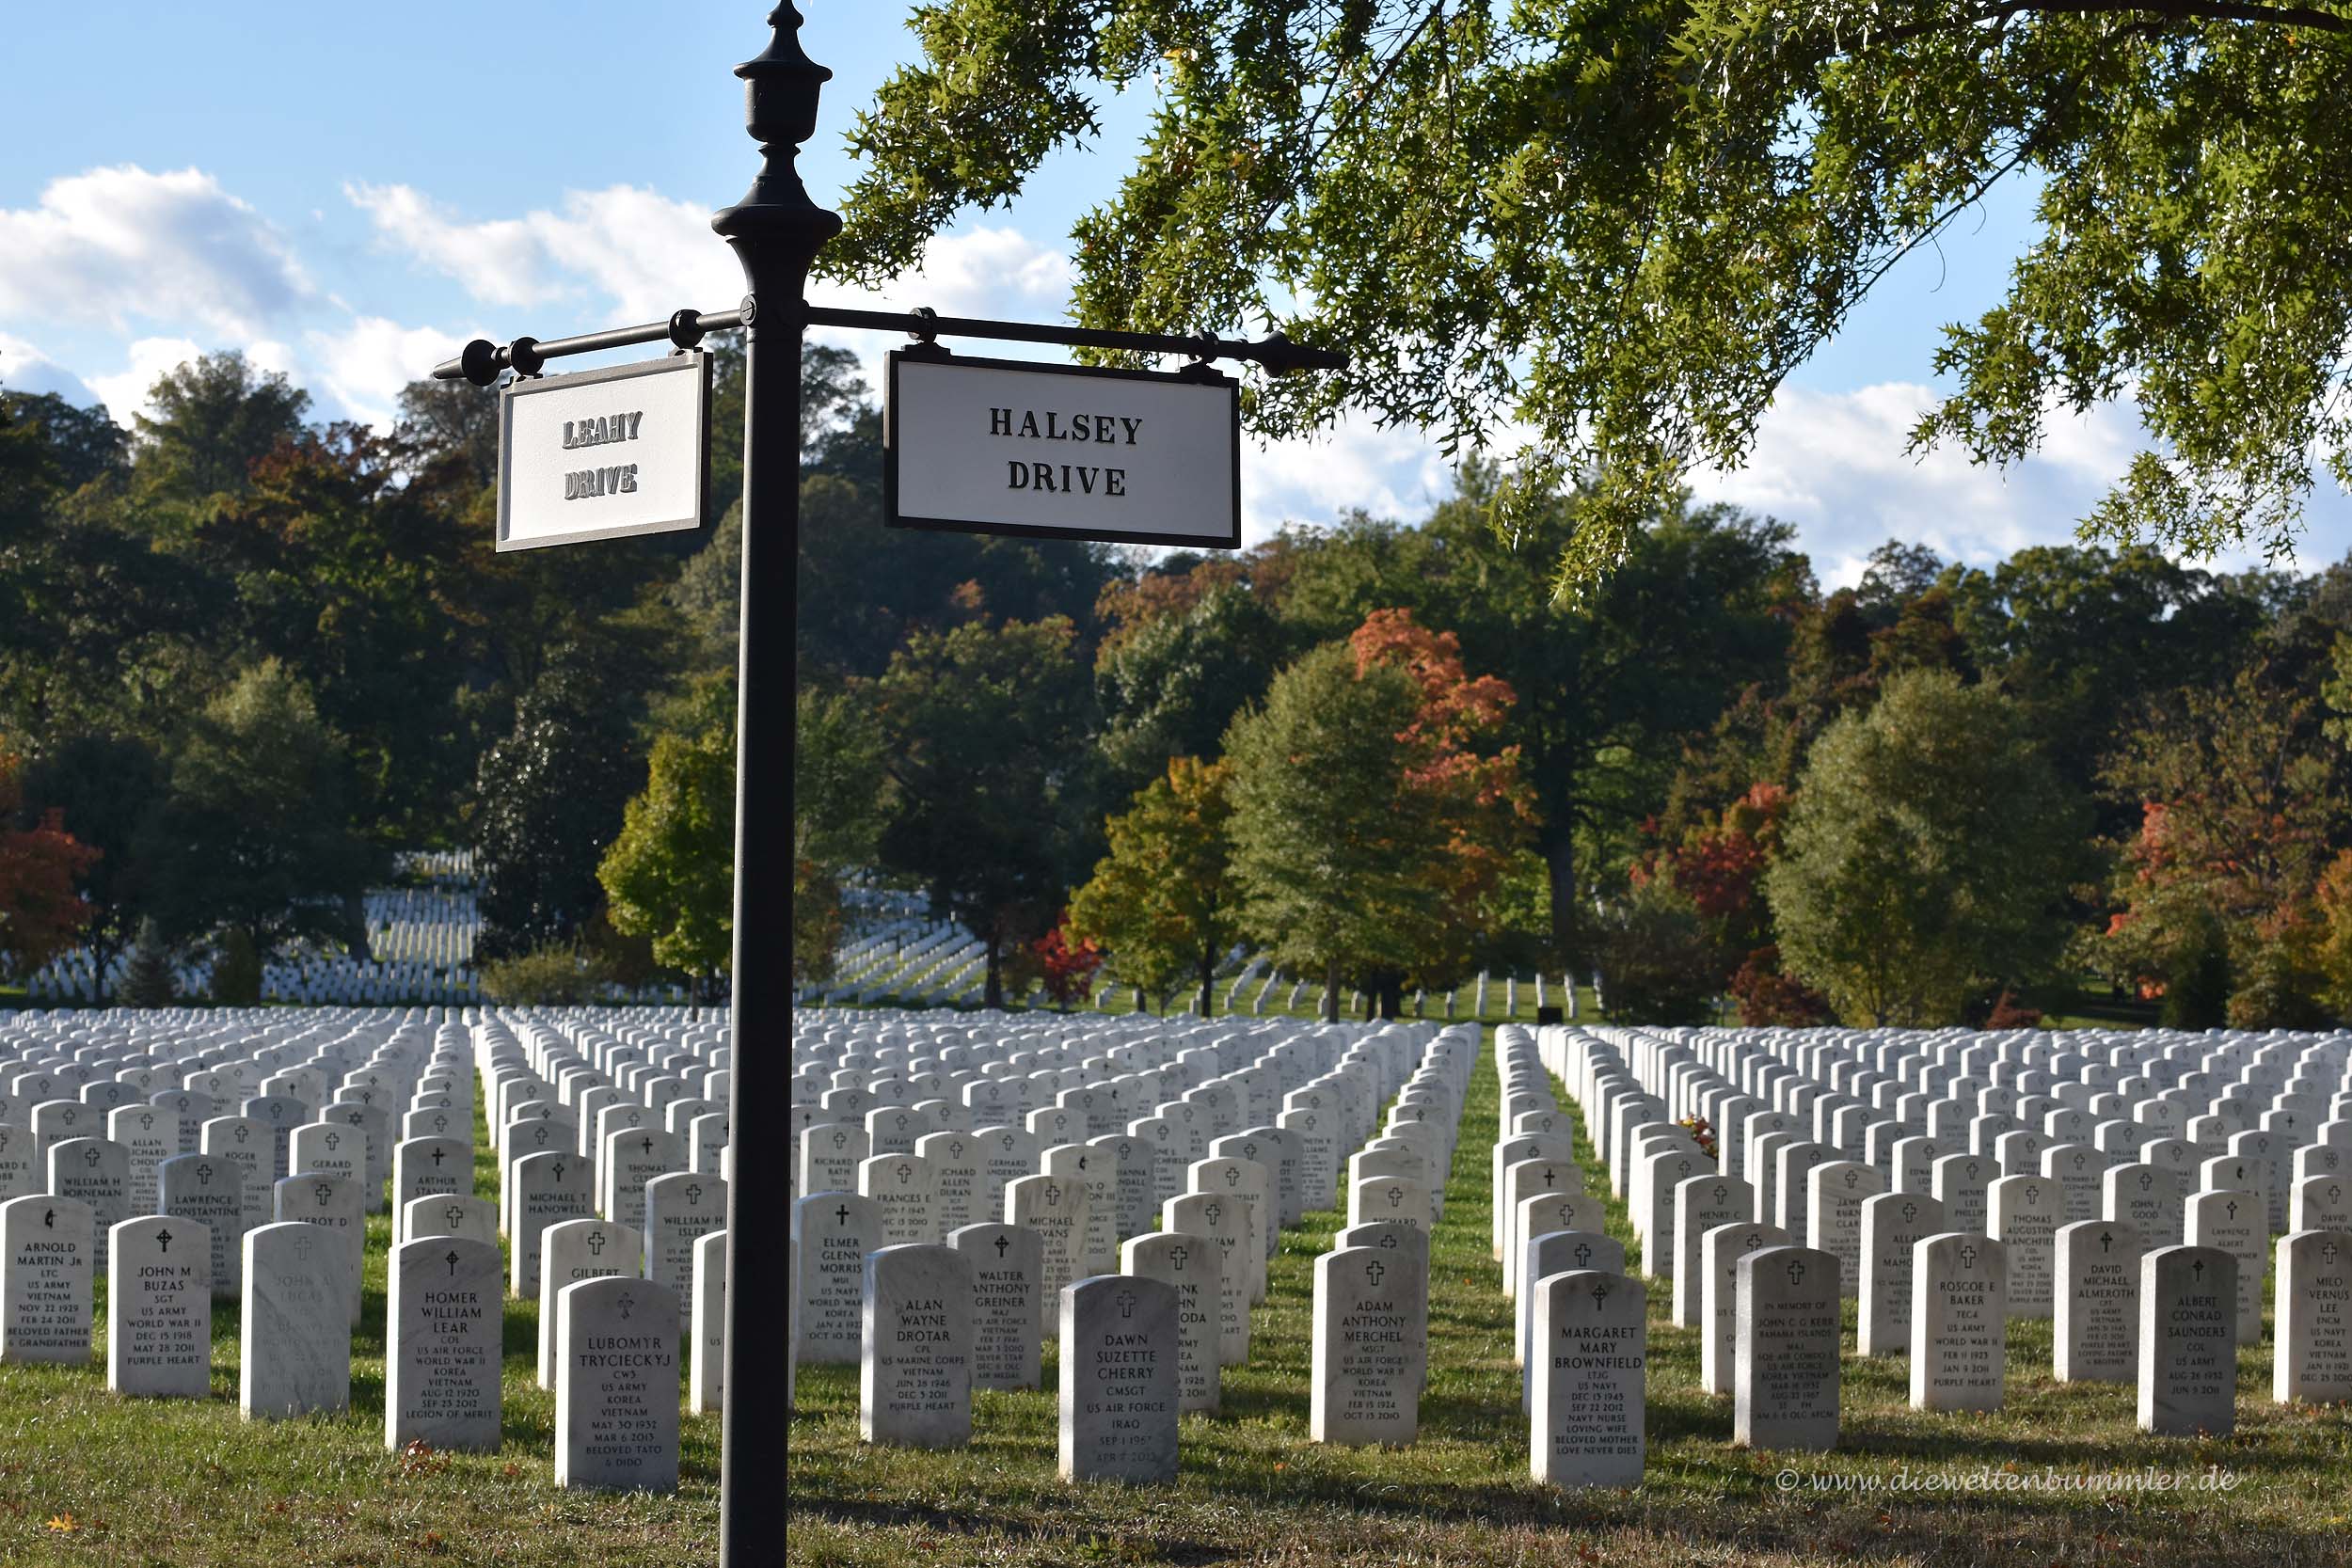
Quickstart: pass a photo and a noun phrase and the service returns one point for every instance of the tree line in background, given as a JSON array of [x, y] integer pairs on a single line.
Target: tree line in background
[[245, 656]]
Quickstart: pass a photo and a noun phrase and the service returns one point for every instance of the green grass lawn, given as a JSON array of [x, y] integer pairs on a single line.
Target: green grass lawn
[[88, 1477], [1254, 1490]]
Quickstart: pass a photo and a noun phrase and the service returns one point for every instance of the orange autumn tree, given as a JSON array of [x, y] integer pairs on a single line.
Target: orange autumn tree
[[40, 914], [1472, 805]]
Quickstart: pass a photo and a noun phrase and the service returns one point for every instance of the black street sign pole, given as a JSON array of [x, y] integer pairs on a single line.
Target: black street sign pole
[[776, 232]]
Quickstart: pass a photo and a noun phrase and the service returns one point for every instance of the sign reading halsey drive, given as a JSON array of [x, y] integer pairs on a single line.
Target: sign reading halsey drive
[[1001, 446], [604, 453]]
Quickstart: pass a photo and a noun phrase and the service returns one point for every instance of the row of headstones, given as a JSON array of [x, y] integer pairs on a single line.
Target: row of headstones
[[1141, 1346], [2169, 1318], [2067, 1110], [613, 1364], [1238, 1200], [1807, 1189], [208, 1196]]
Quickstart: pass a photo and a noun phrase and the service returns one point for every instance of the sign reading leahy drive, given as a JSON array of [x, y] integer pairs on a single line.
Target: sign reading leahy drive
[[600, 454], [1002, 446]]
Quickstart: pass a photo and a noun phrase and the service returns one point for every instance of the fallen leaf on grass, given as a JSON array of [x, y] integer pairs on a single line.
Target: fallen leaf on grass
[[64, 1523]]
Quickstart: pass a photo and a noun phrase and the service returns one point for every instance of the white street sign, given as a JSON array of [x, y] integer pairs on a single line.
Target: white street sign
[[600, 454], [1002, 446]]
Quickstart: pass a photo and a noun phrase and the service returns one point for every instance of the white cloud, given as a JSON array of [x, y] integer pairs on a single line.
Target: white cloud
[[648, 254], [981, 272], [1837, 466], [505, 261], [1396, 472], [125, 392], [26, 368], [118, 245], [364, 366]]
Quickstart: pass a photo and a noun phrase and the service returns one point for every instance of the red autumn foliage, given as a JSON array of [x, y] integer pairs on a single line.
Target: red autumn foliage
[[40, 914], [1767, 996], [1069, 965]]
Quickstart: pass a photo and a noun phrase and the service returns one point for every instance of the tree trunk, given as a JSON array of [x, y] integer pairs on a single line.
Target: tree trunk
[[1331, 992], [1208, 985], [1558, 842], [992, 995]]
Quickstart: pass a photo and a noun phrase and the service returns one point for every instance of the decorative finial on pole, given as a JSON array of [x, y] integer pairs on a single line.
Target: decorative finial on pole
[[776, 223]]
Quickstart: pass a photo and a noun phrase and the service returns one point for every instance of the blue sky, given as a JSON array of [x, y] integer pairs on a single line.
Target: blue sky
[[349, 193]]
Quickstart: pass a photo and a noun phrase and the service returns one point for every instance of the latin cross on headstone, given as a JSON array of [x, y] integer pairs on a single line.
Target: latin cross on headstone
[[1796, 1271], [1127, 1300], [1372, 1270], [596, 1238]]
